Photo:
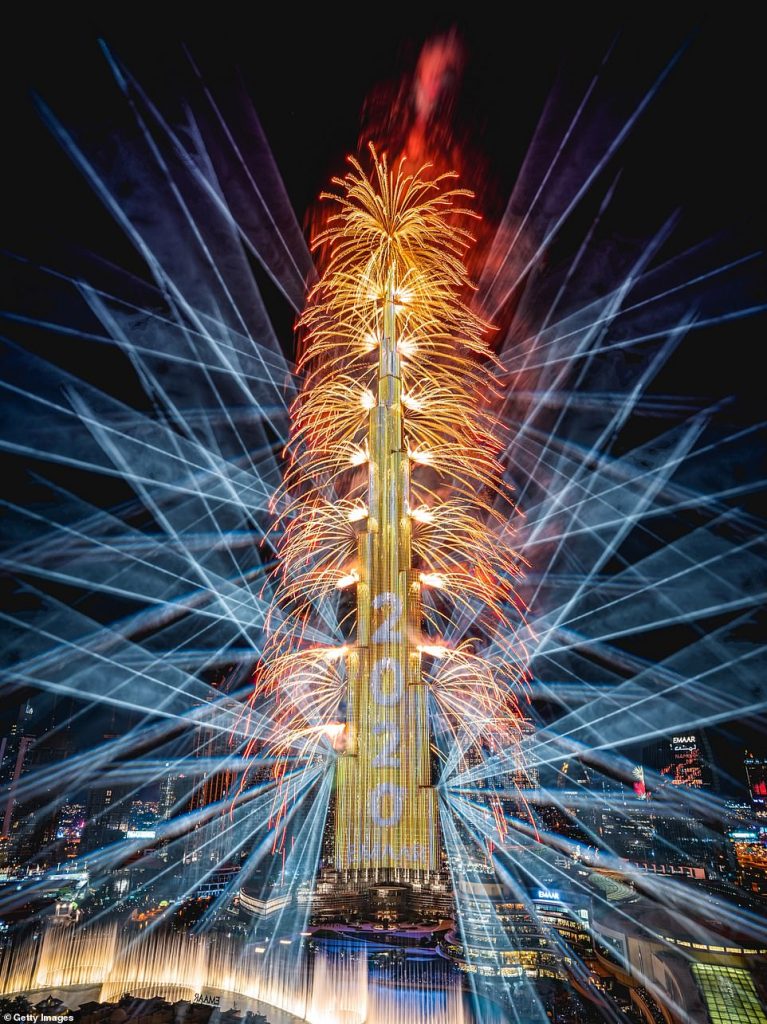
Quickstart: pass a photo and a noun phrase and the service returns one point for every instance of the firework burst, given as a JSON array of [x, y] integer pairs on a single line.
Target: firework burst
[[394, 245]]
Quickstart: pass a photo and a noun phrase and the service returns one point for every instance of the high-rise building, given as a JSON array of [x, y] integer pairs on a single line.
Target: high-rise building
[[681, 760], [107, 815], [749, 848], [687, 766], [213, 780], [173, 792], [622, 819], [32, 800], [386, 822], [393, 457], [525, 775], [756, 778], [69, 828], [15, 756], [682, 769]]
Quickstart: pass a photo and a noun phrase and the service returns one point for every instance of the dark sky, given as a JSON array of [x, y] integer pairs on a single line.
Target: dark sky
[[697, 148]]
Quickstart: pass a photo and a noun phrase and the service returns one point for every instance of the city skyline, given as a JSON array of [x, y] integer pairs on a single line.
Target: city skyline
[[383, 634]]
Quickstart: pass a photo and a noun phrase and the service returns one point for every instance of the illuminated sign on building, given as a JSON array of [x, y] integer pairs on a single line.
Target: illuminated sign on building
[[756, 774], [686, 767], [684, 870], [548, 895], [135, 833], [387, 808]]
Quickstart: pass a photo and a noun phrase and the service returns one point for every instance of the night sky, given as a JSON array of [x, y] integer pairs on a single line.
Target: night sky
[[696, 150]]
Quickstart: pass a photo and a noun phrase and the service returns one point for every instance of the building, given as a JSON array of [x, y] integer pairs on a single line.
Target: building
[[15, 759], [387, 822], [213, 780], [539, 934], [749, 849], [107, 814], [756, 779], [32, 796], [680, 760], [683, 965], [386, 816], [681, 773], [70, 828]]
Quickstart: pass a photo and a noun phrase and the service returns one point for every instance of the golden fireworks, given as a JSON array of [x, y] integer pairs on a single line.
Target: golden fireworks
[[396, 240]]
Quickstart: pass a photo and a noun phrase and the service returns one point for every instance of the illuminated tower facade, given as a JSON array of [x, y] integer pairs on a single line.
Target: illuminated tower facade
[[386, 820], [394, 493]]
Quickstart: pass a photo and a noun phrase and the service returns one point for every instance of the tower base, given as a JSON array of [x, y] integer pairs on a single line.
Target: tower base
[[344, 897]]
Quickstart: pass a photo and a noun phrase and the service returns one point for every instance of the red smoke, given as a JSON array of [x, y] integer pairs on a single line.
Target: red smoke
[[433, 93], [415, 116]]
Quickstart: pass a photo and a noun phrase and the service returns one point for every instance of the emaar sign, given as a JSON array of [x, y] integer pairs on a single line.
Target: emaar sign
[[548, 896]]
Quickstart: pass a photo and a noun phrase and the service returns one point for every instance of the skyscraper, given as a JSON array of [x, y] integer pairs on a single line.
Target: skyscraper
[[756, 778], [213, 778], [686, 767], [680, 760], [15, 756], [682, 770], [387, 818], [393, 488]]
